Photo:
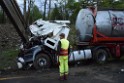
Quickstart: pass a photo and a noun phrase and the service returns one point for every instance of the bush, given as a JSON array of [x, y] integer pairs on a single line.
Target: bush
[[72, 35]]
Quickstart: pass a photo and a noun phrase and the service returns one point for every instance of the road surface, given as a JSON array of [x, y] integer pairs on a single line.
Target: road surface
[[112, 72]]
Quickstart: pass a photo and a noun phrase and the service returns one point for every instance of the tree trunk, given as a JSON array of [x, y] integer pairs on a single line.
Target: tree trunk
[[44, 15], [3, 17], [24, 10], [49, 9], [28, 13]]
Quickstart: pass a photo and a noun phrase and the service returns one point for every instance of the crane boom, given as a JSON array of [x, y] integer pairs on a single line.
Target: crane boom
[[13, 12]]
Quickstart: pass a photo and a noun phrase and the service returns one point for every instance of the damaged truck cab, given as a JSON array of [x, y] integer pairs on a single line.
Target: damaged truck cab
[[40, 51], [39, 48]]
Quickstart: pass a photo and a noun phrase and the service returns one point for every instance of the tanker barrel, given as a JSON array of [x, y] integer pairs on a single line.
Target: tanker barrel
[[108, 22], [84, 24]]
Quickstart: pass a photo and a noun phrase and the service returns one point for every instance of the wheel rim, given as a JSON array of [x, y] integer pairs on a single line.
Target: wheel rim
[[101, 57], [42, 62]]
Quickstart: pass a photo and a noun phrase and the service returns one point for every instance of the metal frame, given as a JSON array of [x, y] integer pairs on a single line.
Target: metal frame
[[103, 38], [113, 43]]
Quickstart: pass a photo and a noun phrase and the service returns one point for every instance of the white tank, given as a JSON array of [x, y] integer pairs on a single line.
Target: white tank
[[109, 23]]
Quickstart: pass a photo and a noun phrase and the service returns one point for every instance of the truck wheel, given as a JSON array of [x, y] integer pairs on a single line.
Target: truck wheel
[[100, 56], [42, 61]]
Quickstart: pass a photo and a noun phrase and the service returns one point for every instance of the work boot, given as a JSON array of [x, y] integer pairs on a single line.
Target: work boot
[[61, 78], [65, 77]]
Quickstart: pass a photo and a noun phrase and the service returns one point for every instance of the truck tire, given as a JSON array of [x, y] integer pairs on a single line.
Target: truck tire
[[100, 56], [42, 61]]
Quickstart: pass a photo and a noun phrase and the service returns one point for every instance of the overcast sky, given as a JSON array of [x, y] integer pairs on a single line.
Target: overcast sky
[[39, 3]]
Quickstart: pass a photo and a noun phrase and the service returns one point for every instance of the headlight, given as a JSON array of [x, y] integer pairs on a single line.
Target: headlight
[[19, 65], [20, 62], [20, 59]]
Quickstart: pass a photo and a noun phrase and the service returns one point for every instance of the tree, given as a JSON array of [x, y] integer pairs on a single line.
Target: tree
[[110, 4], [75, 12], [29, 4], [35, 14], [44, 14], [55, 14], [73, 9], [24, 10], [49, 9], [62, 9], [3, 17]]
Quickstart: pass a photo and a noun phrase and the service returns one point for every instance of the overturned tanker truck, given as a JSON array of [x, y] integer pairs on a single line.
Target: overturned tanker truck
[[100, 34]]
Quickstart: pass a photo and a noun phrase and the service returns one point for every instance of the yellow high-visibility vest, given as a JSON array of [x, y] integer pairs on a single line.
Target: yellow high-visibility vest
[[64, 47]]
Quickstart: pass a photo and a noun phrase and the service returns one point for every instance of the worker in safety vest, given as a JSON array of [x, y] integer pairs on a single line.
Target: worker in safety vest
[[63, 52]]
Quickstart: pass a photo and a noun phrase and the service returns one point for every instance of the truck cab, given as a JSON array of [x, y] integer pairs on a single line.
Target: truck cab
[[39, 40]]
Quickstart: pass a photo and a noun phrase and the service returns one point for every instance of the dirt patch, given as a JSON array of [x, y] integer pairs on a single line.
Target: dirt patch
[[8, 37], [9, 45]]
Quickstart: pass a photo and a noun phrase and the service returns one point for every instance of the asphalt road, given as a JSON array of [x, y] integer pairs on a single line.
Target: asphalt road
[[108, 73], [72, 79]]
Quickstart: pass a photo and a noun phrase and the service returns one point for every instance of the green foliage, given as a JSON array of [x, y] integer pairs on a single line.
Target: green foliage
[[72, 35], [72, 8], [7, 58], [35, 14], [111, 4], [118, 5], [75, 9], [55, 14], [70, 4]]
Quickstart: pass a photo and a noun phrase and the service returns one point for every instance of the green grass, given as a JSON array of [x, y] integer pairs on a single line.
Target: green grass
[[7, 58]]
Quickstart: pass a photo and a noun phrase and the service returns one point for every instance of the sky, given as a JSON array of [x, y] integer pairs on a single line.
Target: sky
[[38, 3]]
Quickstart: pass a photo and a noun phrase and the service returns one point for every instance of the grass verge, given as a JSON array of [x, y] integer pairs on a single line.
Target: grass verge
[[7, 58]]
